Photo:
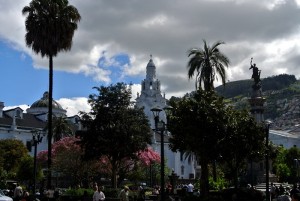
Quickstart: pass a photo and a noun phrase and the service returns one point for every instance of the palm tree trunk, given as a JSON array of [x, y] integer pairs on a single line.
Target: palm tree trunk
[[50, 130], [114, 176], [204, 184]]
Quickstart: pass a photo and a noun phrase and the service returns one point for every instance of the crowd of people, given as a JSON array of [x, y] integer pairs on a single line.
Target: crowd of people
[[17, 193], [281, 193]]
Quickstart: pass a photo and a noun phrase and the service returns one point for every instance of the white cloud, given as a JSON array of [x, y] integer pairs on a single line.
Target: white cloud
[[267, 30], [158, 20], [23, 107], [74, 105]]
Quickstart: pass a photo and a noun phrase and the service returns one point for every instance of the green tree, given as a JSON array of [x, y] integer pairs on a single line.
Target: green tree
[[50, 26], [114, 128], [25, 170], [12, 153], [281, 170], [208, 63], [61, 128], [198, 124], [286, 166], [241, 142]]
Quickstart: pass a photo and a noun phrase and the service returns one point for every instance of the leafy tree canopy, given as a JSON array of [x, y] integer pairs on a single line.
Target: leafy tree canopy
[[202, 123], [12, 153], [244, 141], [198, 124], [114, 127]]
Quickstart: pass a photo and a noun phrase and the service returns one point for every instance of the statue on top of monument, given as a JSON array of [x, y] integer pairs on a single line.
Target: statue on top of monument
[[255, 74]]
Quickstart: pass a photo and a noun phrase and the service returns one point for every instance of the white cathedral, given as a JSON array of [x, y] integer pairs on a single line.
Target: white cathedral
[[151, 97]]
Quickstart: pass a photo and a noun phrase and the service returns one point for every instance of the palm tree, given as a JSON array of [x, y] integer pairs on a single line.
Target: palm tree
[[61, 128], [50, 26], [208, 63]]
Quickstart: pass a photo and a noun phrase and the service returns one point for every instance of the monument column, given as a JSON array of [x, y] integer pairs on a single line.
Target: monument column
[[256, 100], [257, 110]]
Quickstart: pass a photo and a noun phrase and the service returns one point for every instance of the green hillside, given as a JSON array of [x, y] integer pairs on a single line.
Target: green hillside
[[243, 87], [275, 89]]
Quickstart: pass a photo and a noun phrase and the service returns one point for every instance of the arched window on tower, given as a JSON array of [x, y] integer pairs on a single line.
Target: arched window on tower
[[150, 85]]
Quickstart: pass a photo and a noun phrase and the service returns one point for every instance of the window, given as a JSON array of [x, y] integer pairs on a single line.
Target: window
[[18, 114], [182, 170]]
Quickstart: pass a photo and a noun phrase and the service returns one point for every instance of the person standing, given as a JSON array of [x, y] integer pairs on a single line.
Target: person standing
[[50, 194], [96, 195], [190, 189], [18, 192], [124, 194], [141, 194], [101, 194]]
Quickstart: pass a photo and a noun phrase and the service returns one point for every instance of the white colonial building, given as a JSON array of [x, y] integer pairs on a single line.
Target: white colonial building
[[286, 138], [16, 124], [151, 96]]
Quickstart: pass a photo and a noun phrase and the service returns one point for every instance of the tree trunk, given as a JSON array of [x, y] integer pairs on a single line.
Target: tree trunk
[[235, 178], [114, 176], [214, 170], [204, 184], [50, 131]]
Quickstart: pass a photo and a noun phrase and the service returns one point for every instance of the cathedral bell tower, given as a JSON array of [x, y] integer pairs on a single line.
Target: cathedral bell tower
[[151, 85], [150, 93]]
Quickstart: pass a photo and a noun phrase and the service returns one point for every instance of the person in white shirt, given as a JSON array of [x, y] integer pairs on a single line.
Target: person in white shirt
[[18, 192], [98, 194], [190, 189], [101, 194]]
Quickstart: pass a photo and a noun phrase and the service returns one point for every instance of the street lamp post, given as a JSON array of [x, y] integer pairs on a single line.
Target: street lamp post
[[36, 139], [161, 126], [268, 123], [297, 168]]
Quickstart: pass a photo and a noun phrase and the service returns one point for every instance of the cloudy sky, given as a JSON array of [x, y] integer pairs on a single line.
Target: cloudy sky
[[115, 38]]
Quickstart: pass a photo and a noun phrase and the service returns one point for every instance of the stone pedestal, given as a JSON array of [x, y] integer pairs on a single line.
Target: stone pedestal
[[257, 103]]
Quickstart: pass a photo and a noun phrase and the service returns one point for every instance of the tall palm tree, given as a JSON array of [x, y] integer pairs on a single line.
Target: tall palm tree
[[208, 63], [61, 128], [50, 26]]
